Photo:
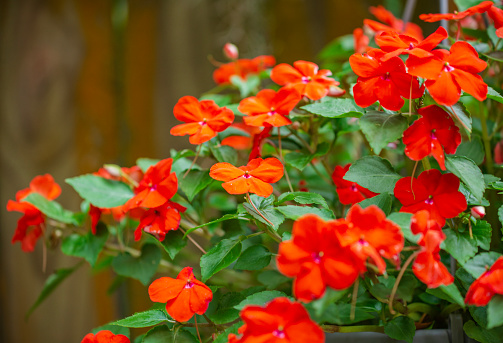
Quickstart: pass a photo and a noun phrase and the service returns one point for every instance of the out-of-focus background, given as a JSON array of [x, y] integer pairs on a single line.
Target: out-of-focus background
[[88, 82]]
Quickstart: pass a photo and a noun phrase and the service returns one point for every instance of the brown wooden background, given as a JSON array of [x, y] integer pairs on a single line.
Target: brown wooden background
[[77, 91]]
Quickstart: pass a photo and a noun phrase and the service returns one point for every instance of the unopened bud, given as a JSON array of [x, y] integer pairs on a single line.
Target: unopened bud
[[478, 212], [336, 92], [295, 125], [231, 51], [113, 169]]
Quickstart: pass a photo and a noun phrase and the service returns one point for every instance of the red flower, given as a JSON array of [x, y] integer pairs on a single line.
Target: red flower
[[269, 108], [305, 78], [431, 134], [156, 188], [447, 73], [431, 191], [30, 226], [280, 321], [386, 81], [315, 257], [242, 68], [160, 220], [104, 336], [204, 119], [255, 177], [369, 234], [361, 41], [486, 286], [427, 266], [480, 8], [184, 296], [391, 23], [349, 192], [496, 15], [396, 44]]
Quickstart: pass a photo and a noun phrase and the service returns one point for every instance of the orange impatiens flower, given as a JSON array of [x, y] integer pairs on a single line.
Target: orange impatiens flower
[[496, 15], [479, 8], [204, 119], [427, 266], [184, 296], [431, 134], [160, 220], [104, 336], [305, 78], [391, 23], [449, 72], [255, 177], [280, 321], [487, 285], [316, 259], [242, 68], [30, 226], [156, 188], [269, 108]]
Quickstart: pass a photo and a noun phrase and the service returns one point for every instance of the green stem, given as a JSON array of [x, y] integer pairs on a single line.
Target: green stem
[[486, 140], [426, 163]]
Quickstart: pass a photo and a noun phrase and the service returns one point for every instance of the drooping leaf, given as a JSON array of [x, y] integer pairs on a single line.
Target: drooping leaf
[[101, 192], [194, 182], [173, 243], [88, 246], [401, 327], [374, 173], [295, 212], [468, 172], [259, 299], [383, 201], [53, 209], [219, 257], [450, 293], [495, 312], [143, 319], [459, 245], [335, 108], [381, 128], [462, 116], [141, 268], [304, 198], [255, 257], [52, 282], [492, 94]]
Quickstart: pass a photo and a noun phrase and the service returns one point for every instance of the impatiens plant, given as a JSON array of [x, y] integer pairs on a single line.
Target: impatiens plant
[[309, 204]]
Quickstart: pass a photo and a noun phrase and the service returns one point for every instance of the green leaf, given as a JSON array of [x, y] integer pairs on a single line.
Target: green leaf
[[219, 99], [495, 312], [474, 150], [381, 128], [482, 335], [340, 314], [465, 4], [450, 293], [255, 257], [225, 153], [223, 337], [272, 279], [51, 284], [477, 265], [459, 245], [219, 257], [482, 234], [468, 172], [295, 212], [143, 319], [101, 192], [383, 201], [173, 243], [53, 209], [259, 299], [492, 94], [145, 163], [115, 329], [141, 268], [335, 108], [400, 328], [374, 173], [239, 216], [224, 311], [246, 86], [264, 205], [500, 214], [462, 115], [88, 246], [403, 220], [302, 198], [495, 56], [194, 182], [300, 160], [340, 48], [163, 334]]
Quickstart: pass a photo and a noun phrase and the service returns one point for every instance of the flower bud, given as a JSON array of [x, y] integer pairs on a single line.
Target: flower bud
[[231, 51], [113, 170], [335, 91], [478, 212]]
